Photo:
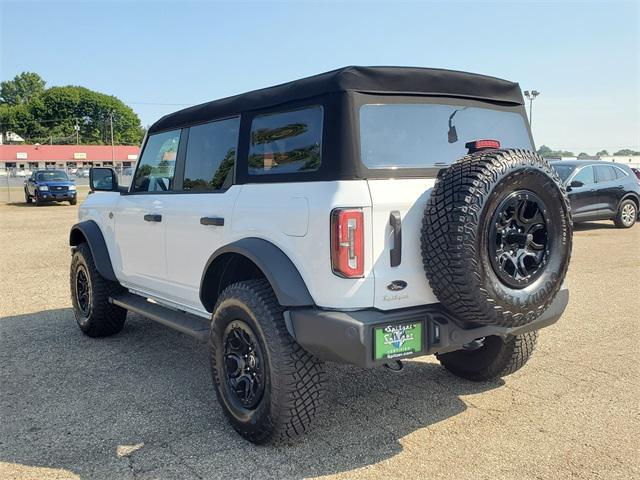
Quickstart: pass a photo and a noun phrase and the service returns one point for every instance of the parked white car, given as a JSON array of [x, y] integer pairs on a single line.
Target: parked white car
[[362, 216]]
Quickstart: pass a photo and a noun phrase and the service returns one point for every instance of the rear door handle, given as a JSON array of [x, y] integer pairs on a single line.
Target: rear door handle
[[215, 221], [153, 217], [395, 254]]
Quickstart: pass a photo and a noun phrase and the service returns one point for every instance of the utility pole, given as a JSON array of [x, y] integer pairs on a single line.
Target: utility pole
[[77, 129], [112, 147], [531, 95]]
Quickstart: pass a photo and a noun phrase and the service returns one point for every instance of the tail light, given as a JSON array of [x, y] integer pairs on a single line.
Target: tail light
[[347, 242]]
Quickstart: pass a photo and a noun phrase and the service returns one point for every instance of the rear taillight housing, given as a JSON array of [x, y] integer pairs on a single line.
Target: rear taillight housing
[[347, 242]]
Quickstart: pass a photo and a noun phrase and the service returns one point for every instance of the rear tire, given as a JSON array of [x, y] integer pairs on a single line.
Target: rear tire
[[73, 202], [497, 358], [90, 293], [627, 214], [269, 387]]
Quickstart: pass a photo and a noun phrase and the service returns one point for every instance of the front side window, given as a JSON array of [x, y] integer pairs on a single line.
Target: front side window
[[419, 135], [211, 155], [585, 175], [158, 163], [286, 142]]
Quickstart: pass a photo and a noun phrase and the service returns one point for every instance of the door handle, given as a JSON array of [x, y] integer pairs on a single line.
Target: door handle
[[215, 221], [153, 217], [395, 254]]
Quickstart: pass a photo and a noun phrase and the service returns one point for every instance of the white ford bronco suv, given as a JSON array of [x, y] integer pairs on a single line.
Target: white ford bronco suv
[[366, 215]]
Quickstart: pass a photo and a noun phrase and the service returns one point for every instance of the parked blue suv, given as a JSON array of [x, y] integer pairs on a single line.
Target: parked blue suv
[[50, 186]]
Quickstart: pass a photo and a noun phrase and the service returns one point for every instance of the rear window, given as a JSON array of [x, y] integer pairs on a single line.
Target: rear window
[[428, 135], [286, 142], [211, 155], [604, 173]]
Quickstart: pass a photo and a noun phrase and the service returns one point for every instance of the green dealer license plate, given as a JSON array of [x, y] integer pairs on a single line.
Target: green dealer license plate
[[399, 340]]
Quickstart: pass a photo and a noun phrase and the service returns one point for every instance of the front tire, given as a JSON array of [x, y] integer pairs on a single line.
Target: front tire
[[627, 214], [497, 358], [269, 387], [73, 202], [90, 293], [27, 197]]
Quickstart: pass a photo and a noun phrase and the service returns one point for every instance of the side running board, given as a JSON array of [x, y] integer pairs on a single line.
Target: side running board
[[193, 325]]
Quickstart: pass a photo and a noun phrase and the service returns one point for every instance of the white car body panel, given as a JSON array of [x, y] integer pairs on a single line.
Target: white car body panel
[[409, 197], [165, 260], [263, 211]]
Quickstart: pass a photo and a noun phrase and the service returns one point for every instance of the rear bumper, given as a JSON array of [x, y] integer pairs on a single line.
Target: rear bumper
[[348, 337]]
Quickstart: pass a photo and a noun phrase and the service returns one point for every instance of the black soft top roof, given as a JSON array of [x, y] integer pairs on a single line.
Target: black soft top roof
[[381, 80]]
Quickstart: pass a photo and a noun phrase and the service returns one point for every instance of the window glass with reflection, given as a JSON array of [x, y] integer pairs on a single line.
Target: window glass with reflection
[[211, 155], [158, 163], [286, 142], [585, 175]]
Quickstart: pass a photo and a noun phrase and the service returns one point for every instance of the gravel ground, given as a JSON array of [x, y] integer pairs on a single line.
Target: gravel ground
[[140, 404]]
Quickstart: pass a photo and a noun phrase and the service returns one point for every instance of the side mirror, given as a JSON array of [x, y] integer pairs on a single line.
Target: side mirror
[[576, 184], [103, 180]]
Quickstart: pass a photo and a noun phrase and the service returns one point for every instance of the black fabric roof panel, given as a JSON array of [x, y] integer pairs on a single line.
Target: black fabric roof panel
[[400, 80]]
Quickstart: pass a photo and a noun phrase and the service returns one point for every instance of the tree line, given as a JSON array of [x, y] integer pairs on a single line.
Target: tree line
[[64, 115], [548, 152]]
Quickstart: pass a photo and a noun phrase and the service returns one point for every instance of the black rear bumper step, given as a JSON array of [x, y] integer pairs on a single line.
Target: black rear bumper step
[[192, 325], [348, 337]]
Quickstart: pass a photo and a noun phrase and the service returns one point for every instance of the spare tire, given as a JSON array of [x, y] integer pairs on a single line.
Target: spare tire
[[496, 237]]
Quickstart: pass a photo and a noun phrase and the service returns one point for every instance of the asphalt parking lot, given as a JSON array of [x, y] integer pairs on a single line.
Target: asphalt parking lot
[[140, 404]]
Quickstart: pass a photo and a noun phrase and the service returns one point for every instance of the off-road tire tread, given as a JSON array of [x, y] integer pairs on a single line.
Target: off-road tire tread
[[512, 356], [298, 382], [105, 318], [449, 229]]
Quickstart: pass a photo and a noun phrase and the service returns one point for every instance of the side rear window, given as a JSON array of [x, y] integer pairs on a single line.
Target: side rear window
[[286, 142], [604, 173], [211, 155], [619, 172], [157, 165]]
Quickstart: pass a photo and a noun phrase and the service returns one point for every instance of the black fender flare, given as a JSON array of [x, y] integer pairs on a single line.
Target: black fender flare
[[90, 231], [632, 196], [285, 279]]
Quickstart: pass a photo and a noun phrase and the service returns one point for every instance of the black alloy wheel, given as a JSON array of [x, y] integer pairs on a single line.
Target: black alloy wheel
[[243, 364], [83, 290], [518, 239]]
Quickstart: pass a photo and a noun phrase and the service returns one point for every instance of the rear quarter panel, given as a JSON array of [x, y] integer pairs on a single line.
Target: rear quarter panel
[[296, 218]]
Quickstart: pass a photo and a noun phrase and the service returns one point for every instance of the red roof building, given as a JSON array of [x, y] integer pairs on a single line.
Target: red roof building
[[31, 157]]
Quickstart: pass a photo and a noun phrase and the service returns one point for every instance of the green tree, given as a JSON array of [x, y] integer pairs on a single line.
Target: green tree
[[626, 152], [583, 155], [549, 153], [602, 153], [22, 89], [53, 115]]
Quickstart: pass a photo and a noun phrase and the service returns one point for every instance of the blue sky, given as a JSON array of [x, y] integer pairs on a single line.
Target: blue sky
[[160, 56]]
